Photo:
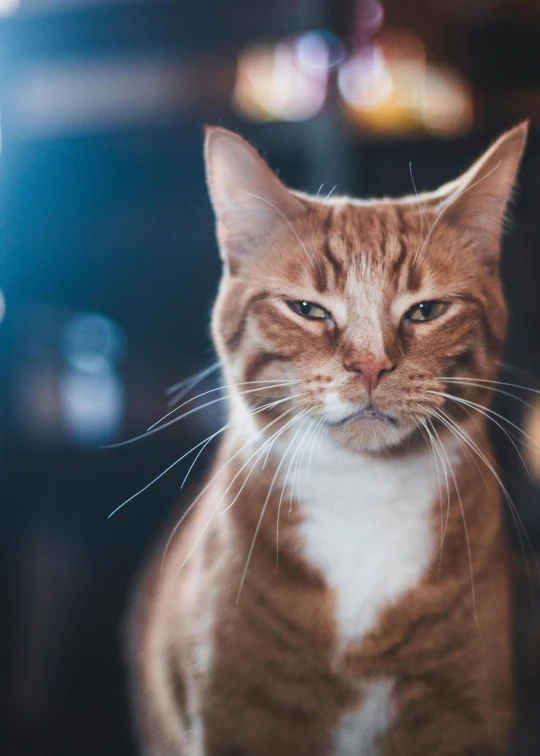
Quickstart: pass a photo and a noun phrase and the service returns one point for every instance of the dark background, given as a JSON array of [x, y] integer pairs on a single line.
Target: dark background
[[108, 269]]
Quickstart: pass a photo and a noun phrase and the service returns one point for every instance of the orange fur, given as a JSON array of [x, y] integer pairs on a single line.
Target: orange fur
[[239, 645]]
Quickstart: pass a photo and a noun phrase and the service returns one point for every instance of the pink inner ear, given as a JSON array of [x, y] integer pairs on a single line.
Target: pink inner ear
[[480, 199], [247, 196]]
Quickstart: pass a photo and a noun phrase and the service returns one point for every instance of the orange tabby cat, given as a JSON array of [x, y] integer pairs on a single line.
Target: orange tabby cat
[[340, 585]]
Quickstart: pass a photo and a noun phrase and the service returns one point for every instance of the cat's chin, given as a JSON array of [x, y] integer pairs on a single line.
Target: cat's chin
[[372, 435]]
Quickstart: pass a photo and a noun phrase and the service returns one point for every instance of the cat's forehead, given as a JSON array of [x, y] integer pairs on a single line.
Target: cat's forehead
[[367, 246]]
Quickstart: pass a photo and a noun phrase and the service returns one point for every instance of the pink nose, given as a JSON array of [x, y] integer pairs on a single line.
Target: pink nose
[[371, 370]]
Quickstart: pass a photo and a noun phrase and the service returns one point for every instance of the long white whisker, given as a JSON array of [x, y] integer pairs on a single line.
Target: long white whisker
[[421, 212], [460, 442], [282, 491], [316, 427], [330, 193], [438, 461], [492, 387], [461, 378], [177, 461], [172, 422], [518, 522], [309, 430], [263, 510], [518, 372], [468, 545], [270, 442], [487, 412], [189, 383], [216, 474], [273, 385], [483, 412], [270, 405], [259, 452], [294, 456], [445, 462]]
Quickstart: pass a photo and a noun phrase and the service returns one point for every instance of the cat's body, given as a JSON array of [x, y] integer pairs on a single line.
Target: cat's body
[[340, 587]]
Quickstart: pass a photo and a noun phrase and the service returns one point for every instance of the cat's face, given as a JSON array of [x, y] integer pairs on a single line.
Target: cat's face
[[366, 313]]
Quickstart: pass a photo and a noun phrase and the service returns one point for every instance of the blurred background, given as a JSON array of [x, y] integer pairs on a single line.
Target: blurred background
[[108, 269]]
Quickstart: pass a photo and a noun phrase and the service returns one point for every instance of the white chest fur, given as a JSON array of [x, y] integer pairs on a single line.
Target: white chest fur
[[358, 731], [367, 526]]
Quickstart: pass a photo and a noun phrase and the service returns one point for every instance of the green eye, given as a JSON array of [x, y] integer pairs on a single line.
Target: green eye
[[309, 310], [423, 311]]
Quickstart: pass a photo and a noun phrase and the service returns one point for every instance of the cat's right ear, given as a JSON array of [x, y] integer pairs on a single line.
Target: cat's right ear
[[248, 199]]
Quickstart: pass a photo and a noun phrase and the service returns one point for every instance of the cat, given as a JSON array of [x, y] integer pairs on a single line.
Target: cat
[[339, 585]]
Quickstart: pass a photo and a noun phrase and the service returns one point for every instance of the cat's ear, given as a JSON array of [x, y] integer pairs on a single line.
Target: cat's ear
[[478, 200], [248, 199]]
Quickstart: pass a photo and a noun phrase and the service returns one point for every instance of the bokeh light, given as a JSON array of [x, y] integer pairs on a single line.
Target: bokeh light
[[388, 87], [286, 81], [7, 7], [2, 306], [365, 80], [91, 342], [91, 391], [319, 49]]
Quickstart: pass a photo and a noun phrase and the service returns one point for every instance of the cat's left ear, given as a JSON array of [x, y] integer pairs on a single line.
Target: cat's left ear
[[248, 199], [480, 198]]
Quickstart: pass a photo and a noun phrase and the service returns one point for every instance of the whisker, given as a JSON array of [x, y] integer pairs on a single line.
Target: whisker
[[485, 380], [282, 491], [263, 510], [319, 190], [220, 470], [487, 412], [330, 193], [421, 212], [317, 425], [274, 385], [518, 372], [510, 437], [270, 405], [170, 467], [468, 544], [172, 403], [270, 442], [214, 512], [311, 425], [482, 383], [193, 380], [445, 467], [438, 461], [260, 451], [518, 522], [294, 457], [175, 420]]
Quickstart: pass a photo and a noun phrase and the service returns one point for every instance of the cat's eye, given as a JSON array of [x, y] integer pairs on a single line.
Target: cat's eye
[[309, 310], [423, 311]]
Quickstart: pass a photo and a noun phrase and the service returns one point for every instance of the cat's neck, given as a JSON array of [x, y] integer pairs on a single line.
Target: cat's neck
[[366, 522]]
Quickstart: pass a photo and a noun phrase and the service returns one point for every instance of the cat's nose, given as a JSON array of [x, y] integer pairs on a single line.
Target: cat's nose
[[371, 370]]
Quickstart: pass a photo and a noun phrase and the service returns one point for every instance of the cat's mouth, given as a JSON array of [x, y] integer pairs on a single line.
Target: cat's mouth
[[369, 414]]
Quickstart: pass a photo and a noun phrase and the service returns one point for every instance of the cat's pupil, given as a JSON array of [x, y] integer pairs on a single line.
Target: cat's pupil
[[425, 308], [305, 308]]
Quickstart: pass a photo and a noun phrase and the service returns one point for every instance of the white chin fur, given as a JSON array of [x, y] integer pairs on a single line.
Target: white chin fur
[[372, 436], [360, 434]]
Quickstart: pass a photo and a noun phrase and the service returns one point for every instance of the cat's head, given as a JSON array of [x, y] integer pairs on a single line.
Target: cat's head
[[366, 312]]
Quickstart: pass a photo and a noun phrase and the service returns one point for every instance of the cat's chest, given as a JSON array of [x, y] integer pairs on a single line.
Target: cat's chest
[[367, 525]]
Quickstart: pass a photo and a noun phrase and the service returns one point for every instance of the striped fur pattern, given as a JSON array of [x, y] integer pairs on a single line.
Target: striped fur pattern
[[339, 587]]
